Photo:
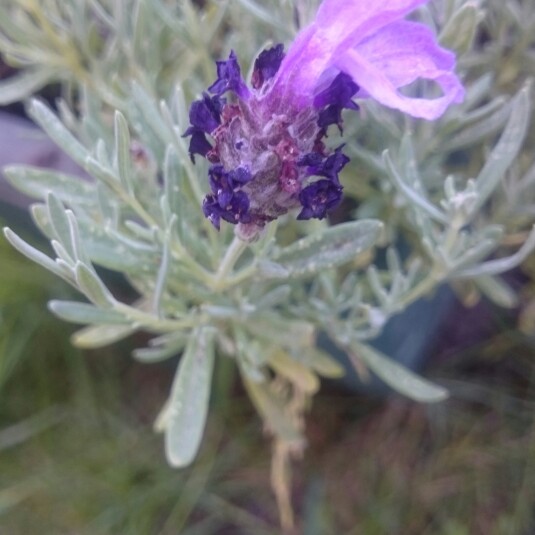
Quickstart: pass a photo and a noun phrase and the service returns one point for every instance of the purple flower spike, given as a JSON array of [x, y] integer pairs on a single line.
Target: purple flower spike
[[266, 65], [268, 142], [318, 198], [229, 78]]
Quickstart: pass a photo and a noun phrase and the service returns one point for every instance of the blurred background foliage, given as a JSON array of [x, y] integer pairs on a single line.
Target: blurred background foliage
[[77, 451]]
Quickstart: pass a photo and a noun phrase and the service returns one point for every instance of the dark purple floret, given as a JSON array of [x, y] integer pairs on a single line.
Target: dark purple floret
[[312, 159], [205, 114], [318, 198], [334, 99], [240, 176], [328, 167], [234, 211], [266, 65], [229, 78], [220, 185], [332, 165], [198, 144]]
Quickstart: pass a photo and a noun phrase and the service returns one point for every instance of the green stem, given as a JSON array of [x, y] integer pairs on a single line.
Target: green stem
[[232, 255]]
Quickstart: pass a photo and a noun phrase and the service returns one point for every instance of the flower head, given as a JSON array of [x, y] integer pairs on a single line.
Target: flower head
[[267, 145]]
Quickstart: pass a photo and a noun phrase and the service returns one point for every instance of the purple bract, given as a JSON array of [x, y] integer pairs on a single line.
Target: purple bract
[[266, 143]]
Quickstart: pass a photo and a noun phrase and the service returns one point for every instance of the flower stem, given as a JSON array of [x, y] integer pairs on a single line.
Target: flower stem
[[232, 255]]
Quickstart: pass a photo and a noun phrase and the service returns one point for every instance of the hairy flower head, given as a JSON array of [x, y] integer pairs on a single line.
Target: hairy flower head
[[266, 141]]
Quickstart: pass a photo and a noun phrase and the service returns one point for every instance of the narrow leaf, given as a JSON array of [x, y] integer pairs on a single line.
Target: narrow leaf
[[497, 290], [92, 287], [55, 129], [60, 223], [411, 194], [34, 254], [101, 335], [37, 183], [501, 265], [75, 312], [188, 408], [21, 86], [122, 152], [460, 30], [398, 377], [506, 150], [330, 248], [323, 364]]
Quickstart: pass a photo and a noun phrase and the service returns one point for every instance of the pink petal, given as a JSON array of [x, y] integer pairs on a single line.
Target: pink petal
[[396, 56], [345, 17], [339, 24]]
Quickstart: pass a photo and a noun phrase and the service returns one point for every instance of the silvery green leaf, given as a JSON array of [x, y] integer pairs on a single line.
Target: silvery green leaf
[[274, 297], [92, 287], [55, 129], [171, 178], [76, 312], [96, 169], [398, 377], [497, 290], [415, 197], [37, 183], [479, 251], [41, 218], [328, 248], [122, 152], [185, 416], [459, 32], [162, 348], [62, 254], [148, 117], [472, 134], [60, 223], [23, 85], [496, 108], [101, 154], [98, 336], [506, 150], [287, 332], [35, 255], [501, 265], [163, 271], [323, 363], [78, 248], [377, 287], [267, 269]]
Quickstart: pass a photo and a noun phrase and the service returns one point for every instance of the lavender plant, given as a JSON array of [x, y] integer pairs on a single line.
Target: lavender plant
[[236, 258]]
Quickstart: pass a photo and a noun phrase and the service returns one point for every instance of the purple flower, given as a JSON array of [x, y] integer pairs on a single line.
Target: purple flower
[[268, 151]]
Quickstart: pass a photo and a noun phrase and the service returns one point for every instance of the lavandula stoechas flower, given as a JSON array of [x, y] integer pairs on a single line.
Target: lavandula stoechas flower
[[267, 150]]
